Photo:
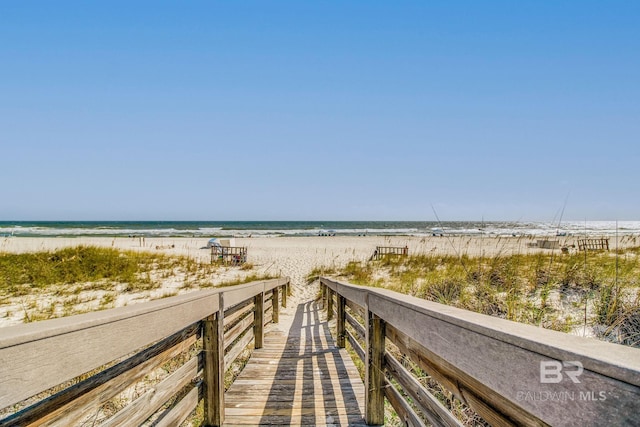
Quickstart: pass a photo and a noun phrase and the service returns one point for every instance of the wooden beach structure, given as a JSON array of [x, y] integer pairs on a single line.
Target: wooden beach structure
[[384, 251], [507, 373], [601, 244], [229, 255]]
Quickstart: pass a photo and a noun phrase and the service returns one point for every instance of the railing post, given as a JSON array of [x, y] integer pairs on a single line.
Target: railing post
[[323, 290], [329, 304], [340, 325], [275, 305], [289, 288], [374, 375], [213, 343], [258, 322], [284, 296]]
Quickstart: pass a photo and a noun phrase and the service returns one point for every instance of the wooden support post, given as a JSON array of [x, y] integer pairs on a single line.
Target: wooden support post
[[275, 305], [284, 296], [374, 375], [340, 325], [288, 288], [258, 323], [323, 292], [213, 343], [329, 304]]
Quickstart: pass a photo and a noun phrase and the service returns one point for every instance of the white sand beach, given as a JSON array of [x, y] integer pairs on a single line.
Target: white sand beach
[[294, 257]]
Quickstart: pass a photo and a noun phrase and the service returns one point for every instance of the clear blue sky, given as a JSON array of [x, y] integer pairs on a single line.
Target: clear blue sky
[[369, 110]]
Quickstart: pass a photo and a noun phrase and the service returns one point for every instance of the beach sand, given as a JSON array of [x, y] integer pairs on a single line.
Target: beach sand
[[293, 257]]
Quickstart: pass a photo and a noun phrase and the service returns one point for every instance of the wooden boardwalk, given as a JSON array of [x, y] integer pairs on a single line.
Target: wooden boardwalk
[[299, 377]]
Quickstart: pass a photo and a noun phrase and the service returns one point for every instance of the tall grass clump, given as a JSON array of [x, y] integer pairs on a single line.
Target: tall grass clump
[[598, 290], [70, 265]]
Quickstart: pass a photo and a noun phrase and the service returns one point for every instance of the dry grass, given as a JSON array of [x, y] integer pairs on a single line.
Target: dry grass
[[46, 285], [598, 291]]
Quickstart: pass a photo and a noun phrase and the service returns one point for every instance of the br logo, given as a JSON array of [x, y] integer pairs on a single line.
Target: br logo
[[551, 371]]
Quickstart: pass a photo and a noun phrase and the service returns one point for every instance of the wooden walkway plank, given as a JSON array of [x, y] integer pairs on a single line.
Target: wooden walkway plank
[[299, 377]]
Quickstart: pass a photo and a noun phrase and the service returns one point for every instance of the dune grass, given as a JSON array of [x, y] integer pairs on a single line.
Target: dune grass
[[595, 290], [21, 274], [45, 285]]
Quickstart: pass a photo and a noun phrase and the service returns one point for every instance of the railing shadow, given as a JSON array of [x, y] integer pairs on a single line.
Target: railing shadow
[[312, 385]]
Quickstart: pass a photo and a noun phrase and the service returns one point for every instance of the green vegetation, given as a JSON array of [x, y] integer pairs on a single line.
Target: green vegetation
[[45, 285], [22, 273], [599, 290], [319, 271]]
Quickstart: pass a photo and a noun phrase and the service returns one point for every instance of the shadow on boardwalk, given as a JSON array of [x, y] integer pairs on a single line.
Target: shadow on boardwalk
[[298, 379]]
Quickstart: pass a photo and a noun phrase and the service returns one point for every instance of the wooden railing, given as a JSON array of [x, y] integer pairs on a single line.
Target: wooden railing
[[508, 373], [79, 363], [593, 244], [234, 255], [382, 251]]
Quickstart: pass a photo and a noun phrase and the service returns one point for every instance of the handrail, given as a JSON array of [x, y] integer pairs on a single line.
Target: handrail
[[509, 373], [38, 356]]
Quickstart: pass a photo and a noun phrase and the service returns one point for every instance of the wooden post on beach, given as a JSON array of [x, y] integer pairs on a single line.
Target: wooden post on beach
[[329, 304], [340, 324], [374, 374], [323, 293], [258, 322], [213, 343], [275, 305], [288, 288], [284, 295]]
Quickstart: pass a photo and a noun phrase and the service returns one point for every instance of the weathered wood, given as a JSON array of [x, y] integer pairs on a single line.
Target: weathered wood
[[176, 415], [593, 244], [417, 354], [274, 283], [241, 293], [69, 406], [234, 333], [297, 379], [276, 305], [499, 372], [284, 296], [403, 409], [504, 373], [374, 370], [258, 324], [237, 312], [144, 406], [356, 346], [355, 294], [340, 320], [382, 251], [238, 348], [357, 327], [31, 353], [213, 378], [431, 407], [329, 304], [229, 255], [355, 308]]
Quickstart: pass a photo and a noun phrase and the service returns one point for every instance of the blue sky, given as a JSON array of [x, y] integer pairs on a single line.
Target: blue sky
[[337, 110]]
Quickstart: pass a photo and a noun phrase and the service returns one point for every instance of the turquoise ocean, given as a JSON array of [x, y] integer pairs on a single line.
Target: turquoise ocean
[[309, 228]]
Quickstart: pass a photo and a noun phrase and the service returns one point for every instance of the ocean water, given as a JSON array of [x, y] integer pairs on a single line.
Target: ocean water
[[309, 228]]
